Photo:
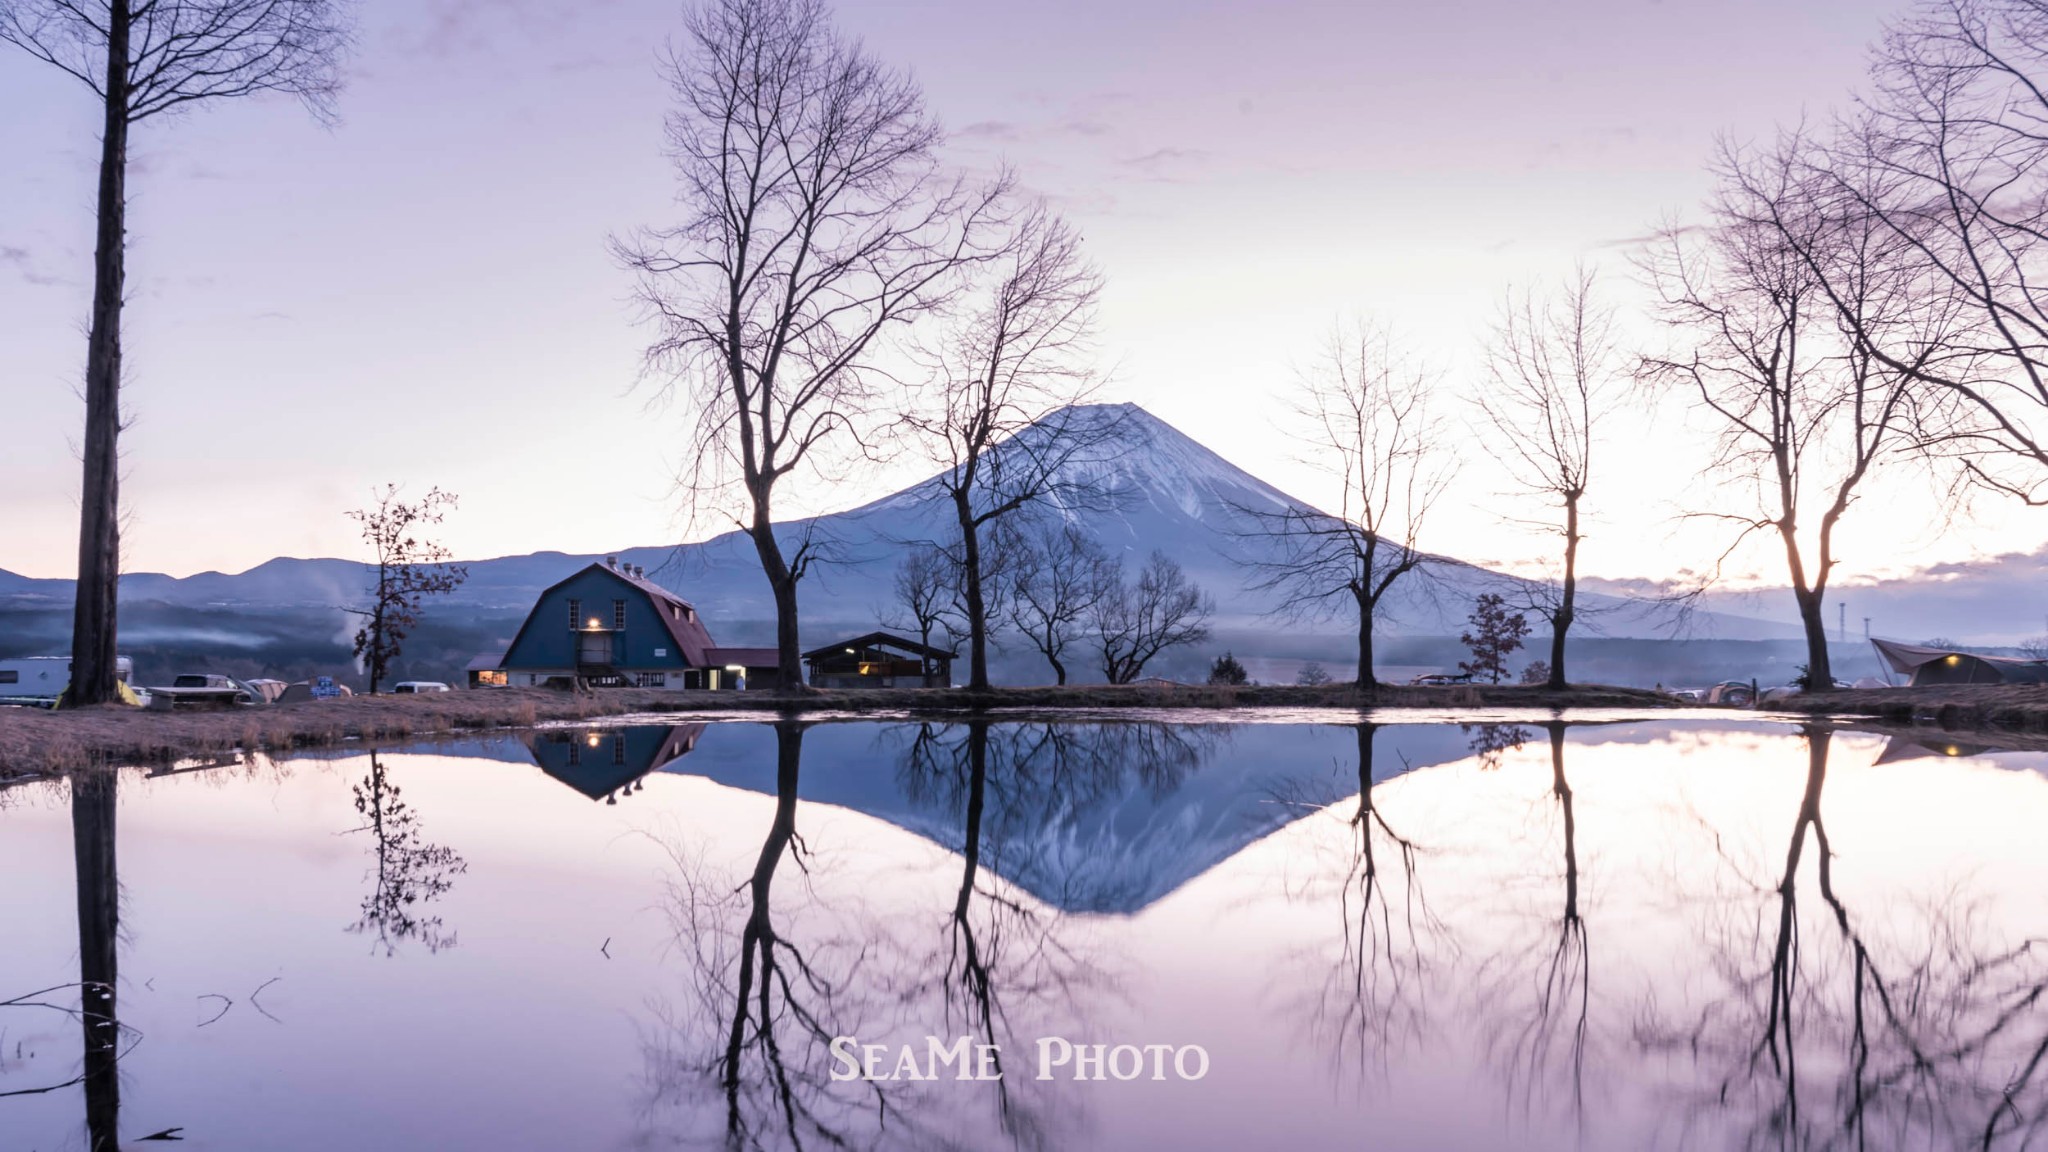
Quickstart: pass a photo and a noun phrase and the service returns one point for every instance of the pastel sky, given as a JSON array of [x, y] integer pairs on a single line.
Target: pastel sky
[[422, 293]]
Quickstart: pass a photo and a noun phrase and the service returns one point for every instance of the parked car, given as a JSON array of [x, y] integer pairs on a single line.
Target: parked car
[[222, 687], [414, 687], [1442, 678]]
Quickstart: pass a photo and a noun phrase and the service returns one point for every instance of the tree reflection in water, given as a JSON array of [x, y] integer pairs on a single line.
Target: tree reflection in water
[[995, 962], [1490, 741], [1909, 1027], [105, 1041], [1373, 996], [410, 873], [766, 1006], [93, 796], [1535, 996], [1011, 967]]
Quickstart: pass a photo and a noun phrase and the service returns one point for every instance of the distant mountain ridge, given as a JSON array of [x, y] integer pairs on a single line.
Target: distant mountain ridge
[[1165, 491]]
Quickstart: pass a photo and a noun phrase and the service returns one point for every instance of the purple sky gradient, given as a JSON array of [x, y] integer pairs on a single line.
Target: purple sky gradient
[[422, 294]]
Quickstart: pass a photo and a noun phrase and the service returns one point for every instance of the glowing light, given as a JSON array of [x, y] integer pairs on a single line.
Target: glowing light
[[592, 740], [1953, 660]]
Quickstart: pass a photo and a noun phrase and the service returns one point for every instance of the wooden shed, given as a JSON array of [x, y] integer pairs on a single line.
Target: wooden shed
[[880, 660]]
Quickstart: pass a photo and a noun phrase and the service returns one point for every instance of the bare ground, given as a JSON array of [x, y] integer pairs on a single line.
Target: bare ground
[[34, 742]]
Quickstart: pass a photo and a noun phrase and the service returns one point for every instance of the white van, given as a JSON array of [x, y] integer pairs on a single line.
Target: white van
[[37, 679], [411, 687]]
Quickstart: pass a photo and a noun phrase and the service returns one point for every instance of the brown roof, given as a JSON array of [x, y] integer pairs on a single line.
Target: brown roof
[[881, 640], [692, 639]]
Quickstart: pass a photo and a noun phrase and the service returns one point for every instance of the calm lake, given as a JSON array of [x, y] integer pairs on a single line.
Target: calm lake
[[1516, 932]]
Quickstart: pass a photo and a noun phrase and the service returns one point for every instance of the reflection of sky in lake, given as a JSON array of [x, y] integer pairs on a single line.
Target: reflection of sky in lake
[[1197, 885]]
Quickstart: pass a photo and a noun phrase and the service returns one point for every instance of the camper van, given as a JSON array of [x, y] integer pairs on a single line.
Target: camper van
[[41, 679]]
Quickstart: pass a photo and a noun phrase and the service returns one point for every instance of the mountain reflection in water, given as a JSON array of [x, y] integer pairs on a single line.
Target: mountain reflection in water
[[1543, 934]]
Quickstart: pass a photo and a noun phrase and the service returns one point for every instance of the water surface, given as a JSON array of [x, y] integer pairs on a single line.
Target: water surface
[[1520, 933]]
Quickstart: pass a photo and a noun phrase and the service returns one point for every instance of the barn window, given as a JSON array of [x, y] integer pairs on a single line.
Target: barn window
[[618, 750], [618, 615], [650, 679], [575, 615]]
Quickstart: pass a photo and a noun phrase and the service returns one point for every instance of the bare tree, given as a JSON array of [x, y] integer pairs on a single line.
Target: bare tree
[[142, 58], [816, 222], [1002, 422], [409, 569], [1805, 413], [1368, 422], [1060, 577], [1554, 372], [1949, 159], [925, 587], [1135, 622]]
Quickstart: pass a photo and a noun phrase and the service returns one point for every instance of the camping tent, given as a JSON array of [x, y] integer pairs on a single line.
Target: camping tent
[[1928, 666]]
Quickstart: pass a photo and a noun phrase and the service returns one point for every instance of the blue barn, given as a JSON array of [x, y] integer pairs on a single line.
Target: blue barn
[[610, 626]]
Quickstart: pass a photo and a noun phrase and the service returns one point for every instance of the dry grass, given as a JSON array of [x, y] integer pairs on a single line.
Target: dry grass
[[36, 742], [2009, 707]]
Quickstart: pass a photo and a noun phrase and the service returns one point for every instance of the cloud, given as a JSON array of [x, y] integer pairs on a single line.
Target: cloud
[[991, 130], [1164, 164], [23, 261]]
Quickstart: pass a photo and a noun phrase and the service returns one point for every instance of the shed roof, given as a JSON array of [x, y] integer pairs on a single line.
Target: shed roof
[[881, 640]]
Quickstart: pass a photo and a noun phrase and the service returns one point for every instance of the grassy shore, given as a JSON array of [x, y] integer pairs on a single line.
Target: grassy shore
[[2007, 708], [36, 742]]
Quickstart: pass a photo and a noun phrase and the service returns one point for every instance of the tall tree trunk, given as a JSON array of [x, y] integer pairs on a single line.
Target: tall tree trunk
[[99, 904], [1059, 670], [1812, 604], [93, 623], [977, 607], [1811, 597], [782, 582], [1366, 679], [1561, 621]]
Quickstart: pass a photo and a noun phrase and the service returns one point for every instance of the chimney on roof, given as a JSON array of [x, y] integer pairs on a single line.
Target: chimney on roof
[[612, 562]]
